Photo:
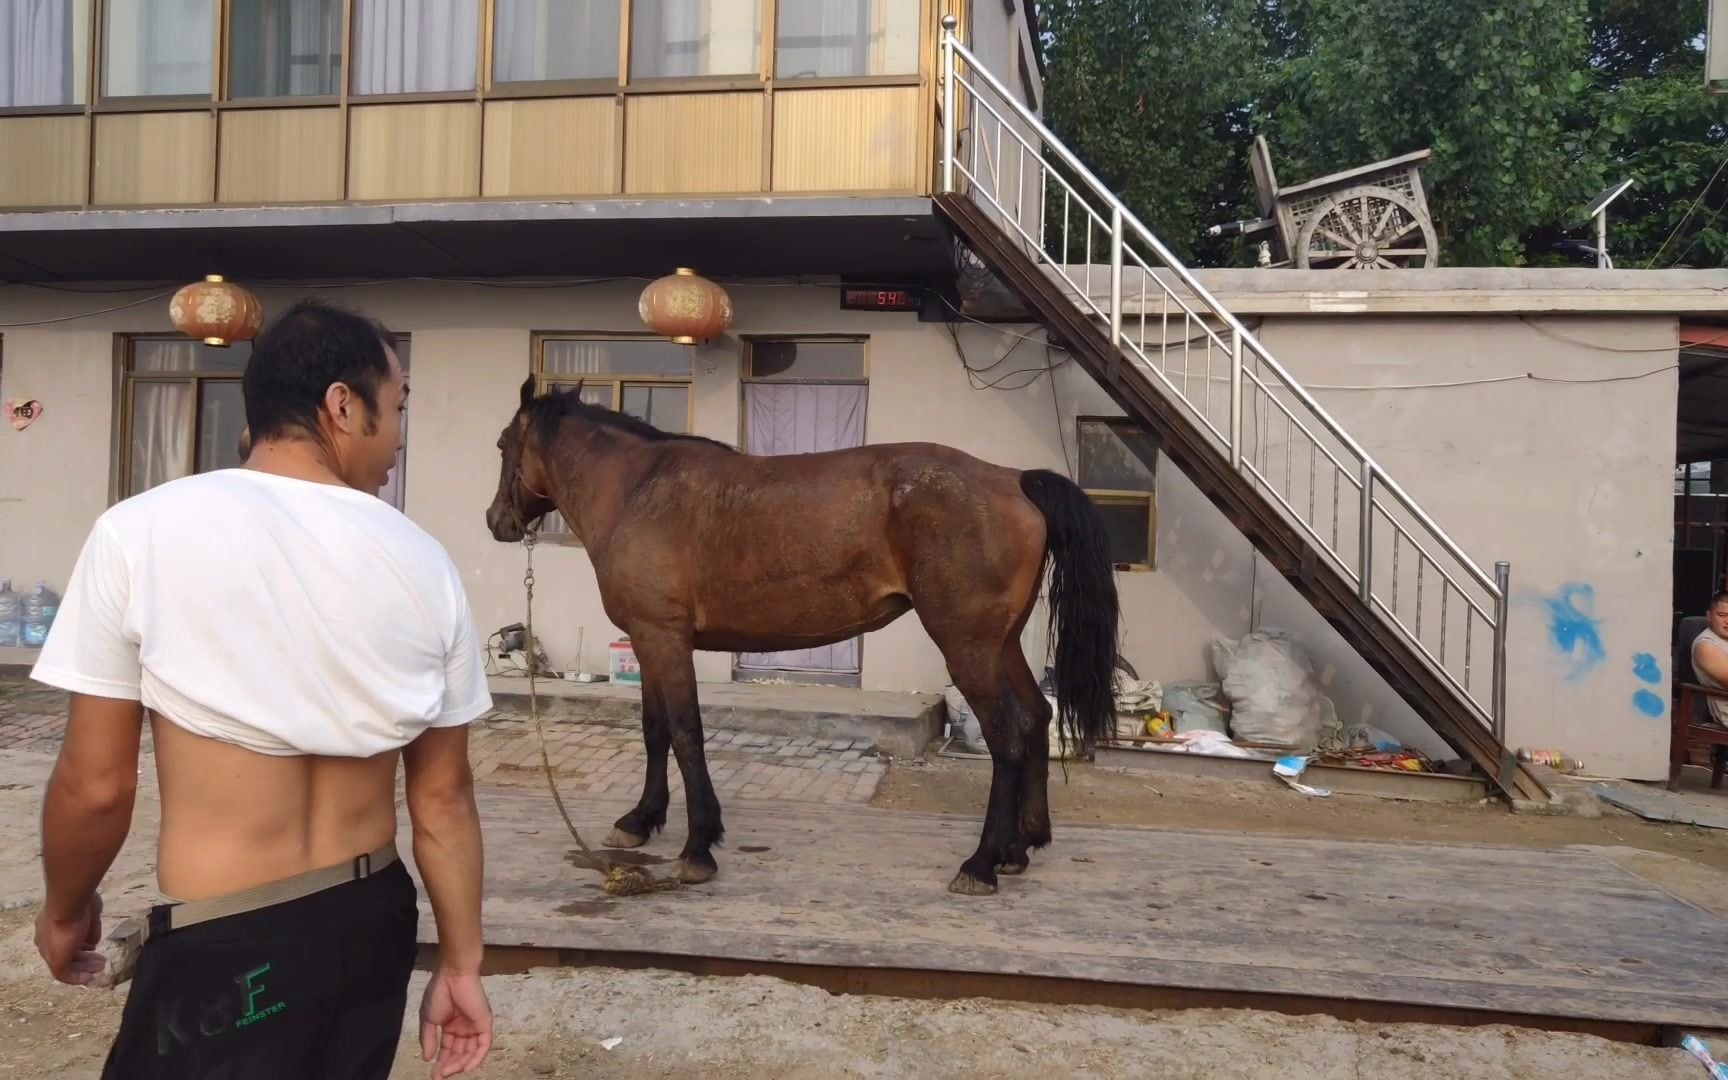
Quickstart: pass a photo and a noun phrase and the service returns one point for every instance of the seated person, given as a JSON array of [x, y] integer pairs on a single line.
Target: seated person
[[1710, 656]]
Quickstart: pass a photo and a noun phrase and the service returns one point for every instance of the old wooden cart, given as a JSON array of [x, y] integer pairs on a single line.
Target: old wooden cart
[[1375, 216]]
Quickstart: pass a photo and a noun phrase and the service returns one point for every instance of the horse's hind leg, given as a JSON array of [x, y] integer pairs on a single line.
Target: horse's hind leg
[[669, 685], [649, 817], [1035, 789], [982, 677]]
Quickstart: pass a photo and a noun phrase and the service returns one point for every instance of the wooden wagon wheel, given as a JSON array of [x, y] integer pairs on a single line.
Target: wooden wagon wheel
[[1364, 228]]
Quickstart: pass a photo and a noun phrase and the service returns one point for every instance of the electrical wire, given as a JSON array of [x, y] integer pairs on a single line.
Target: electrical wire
[[1056, 404], [1545, 332], [1690, 210], [1699, 235], [85, 314]]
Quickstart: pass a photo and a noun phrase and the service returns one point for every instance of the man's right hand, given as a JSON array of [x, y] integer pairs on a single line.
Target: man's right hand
[[455, 1024], [70, 947]]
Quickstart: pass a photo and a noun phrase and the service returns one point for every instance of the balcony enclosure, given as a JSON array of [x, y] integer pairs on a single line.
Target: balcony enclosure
[[250, 103]]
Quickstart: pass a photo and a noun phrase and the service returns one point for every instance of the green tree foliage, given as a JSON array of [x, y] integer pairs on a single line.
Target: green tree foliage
[[1530, 108]]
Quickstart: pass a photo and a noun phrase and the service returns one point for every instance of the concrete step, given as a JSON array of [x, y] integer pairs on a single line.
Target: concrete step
[[900, 725]]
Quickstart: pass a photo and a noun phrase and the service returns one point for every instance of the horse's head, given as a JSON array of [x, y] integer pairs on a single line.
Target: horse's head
[[522, 481]]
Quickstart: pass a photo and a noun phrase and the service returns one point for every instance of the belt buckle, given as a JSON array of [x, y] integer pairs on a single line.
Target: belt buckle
[[362, 866]]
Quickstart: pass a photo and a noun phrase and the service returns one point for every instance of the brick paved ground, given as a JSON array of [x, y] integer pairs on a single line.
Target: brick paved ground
[[587, 758]]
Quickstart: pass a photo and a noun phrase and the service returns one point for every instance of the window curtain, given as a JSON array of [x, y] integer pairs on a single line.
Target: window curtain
[[159, 48], [674, 39], [805, 418], [541, 40], [36, 53], [415, 46], [847, 38], [559, 359]]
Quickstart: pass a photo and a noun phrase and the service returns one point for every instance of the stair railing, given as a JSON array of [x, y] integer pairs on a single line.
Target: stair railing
[[1201, 357]]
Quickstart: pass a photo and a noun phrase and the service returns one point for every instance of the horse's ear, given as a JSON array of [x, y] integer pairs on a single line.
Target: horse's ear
[[528, 391]]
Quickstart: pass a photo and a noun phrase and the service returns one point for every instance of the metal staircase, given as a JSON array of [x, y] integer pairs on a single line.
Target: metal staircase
[[1310, 498]]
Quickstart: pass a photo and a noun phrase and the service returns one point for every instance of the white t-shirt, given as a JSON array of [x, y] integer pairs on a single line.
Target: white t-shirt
[[281, 615], [1709, 640]]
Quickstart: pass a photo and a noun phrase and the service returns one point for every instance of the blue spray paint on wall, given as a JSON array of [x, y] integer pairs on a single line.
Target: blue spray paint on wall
[[1574, 632], [1647, 669]]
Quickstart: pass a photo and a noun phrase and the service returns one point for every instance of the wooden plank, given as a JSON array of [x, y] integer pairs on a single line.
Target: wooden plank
[[1341, 779], [1428, 694], [44, 160], [550, 147], [693, 144], [281, 156], [1544, 933], [155, 159], [429, 150], [850, 139]]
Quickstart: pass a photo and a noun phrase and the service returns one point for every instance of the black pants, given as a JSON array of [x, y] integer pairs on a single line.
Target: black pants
[[313, 989]]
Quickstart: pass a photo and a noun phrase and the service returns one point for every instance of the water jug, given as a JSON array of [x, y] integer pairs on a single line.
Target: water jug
[[39, 606], [11, 616]]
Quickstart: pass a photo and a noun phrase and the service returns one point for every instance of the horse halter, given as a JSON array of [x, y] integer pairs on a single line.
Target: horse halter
[[515, 507]]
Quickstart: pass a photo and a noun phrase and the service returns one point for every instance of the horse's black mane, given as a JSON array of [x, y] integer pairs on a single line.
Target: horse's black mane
[[557, 406]]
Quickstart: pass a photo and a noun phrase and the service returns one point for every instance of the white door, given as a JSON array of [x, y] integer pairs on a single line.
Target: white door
[[804, 418]]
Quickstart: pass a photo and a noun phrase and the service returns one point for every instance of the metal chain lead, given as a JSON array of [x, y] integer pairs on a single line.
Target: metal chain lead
[[601, 863]]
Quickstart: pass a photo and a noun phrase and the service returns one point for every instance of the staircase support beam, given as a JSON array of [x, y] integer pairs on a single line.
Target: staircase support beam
[[1346, 604]]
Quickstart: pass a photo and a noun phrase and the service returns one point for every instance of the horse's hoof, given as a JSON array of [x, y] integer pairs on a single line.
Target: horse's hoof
[[618, 838], [965, 884], [693, 871], [1014, 869]]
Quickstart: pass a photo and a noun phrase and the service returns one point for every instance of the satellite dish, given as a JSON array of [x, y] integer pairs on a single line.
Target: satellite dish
[[1598, 211]]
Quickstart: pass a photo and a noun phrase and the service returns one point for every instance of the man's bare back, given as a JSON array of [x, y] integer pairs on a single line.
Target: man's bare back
[[234, 820]]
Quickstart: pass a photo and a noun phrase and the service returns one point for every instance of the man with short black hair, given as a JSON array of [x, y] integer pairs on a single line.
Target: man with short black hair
[[291, 636], [1710, 655]]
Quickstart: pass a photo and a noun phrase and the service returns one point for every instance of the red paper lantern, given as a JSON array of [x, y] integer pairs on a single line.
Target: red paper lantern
[[216, 310], [686, 307]]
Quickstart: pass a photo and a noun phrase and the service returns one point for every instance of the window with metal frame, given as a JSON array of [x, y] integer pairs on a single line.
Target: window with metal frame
[[182, 412], [839, 39], [806, 359], [284, 48], [415, 46], [1118, 470], [645, 377], [159, 49], [44, 53], [552, 41], [683, 39]]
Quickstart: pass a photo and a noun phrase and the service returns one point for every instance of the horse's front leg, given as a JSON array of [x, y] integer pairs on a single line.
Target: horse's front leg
[[669, 685], [649, 817]]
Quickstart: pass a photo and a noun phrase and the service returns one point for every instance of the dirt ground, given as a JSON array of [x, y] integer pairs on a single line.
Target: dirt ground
[[555, 1024], [1100, 796]]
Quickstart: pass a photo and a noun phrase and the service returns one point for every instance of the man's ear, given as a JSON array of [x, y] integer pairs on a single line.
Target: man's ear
[[343, 405]]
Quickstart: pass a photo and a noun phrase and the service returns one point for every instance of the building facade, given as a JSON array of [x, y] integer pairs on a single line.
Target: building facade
[[496, 180]]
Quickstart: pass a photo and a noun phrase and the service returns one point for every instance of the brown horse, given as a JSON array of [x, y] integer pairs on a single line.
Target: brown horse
[[698, 546]]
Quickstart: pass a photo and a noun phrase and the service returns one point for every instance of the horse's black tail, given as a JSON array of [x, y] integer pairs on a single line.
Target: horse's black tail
[[1083, 609]]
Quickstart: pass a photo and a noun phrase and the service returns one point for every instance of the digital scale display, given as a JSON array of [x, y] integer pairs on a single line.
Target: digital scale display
[[855, 298]]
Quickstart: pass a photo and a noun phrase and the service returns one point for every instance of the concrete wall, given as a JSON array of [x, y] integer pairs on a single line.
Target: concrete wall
[[53, 475], [1570, 482]]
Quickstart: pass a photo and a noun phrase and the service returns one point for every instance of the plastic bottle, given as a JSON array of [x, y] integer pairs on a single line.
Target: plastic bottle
[[11, 616], [39, 607], [1554, 759]]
